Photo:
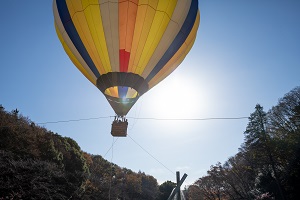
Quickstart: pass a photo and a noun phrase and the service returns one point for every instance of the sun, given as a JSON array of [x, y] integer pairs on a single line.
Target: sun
[[174, 97]]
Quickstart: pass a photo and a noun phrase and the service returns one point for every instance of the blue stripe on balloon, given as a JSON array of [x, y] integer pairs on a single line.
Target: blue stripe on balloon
[[72, 33], [178, 41], [122, 91]]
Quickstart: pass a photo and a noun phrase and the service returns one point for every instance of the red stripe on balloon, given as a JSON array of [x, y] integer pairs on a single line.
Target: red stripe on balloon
[[124, 60]]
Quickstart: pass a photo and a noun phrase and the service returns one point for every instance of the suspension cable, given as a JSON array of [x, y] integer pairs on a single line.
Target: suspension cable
[[148, 118], [150, 154], [111, 167]]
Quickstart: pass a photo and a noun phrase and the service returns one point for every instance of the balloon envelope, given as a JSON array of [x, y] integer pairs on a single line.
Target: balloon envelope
[[126, 47]]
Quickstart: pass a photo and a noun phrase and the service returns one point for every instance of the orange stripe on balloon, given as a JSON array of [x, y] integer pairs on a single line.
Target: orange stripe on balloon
[[131, 15], [127, 18], [123, 9]]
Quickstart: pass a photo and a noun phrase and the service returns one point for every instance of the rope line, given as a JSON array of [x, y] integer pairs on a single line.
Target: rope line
[[150, 154], [148, 118], [110, 147], [136, 114], [111, 167]]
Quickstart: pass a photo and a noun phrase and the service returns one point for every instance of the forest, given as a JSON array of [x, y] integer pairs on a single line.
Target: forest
[[267, 165], [36, 163]]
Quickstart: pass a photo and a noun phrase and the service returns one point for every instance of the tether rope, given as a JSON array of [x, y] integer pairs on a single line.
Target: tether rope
[[111, 167], [150, 154]]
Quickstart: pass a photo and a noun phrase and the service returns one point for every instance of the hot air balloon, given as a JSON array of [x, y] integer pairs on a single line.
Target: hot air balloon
[[126, 47]]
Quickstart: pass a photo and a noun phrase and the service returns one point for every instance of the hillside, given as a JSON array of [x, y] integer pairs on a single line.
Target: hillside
[[36, 163]]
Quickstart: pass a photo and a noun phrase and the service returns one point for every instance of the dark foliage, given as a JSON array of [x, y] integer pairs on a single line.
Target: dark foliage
[[38, 164], [267, 165], [165, 190], [33, 179]]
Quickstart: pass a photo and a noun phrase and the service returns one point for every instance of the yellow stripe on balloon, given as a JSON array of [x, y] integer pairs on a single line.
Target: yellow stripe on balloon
[[94, 21], [178, 57], [107, 92], [174, 26], [79, 20], [159, 24], [112, 91], [109, 14], [144, 19], [89, 75]]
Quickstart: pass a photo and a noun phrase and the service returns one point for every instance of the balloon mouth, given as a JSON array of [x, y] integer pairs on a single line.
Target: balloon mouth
[[122, 90], [123, 81]]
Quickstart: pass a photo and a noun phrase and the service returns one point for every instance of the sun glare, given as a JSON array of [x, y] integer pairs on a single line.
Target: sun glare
[[175, 97]]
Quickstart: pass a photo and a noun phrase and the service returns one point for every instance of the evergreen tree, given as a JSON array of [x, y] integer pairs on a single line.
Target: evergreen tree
[[258, 145], [165, 190]]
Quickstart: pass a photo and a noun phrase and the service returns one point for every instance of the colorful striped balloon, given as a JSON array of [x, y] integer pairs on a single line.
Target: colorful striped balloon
[[125, 47]]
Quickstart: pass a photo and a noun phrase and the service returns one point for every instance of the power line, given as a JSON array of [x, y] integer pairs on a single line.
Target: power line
[[188, 119], [74, 120], [148, 118]]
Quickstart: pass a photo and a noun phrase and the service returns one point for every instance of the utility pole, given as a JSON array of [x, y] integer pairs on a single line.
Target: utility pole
[[177, 181], [177, 188]]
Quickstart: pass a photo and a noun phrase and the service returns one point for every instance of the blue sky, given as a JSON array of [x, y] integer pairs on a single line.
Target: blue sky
[[246, 52]]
